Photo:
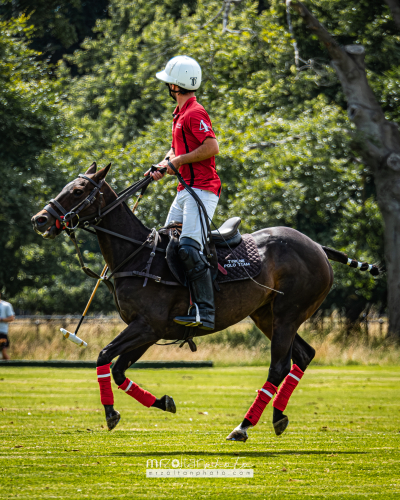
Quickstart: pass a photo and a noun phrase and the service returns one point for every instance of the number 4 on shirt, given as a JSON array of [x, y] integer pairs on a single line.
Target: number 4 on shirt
[[203, 126]]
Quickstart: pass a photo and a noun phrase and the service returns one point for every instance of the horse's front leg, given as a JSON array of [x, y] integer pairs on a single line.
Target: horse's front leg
[[130, 345]]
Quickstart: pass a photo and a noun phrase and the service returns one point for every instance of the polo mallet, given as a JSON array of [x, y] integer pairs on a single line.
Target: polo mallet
[[73, 336]]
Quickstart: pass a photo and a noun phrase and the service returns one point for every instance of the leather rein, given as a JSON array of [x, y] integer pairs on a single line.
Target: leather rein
[[90, 224]]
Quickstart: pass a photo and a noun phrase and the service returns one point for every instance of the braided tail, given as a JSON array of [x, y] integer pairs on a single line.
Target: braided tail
[[341, 257]]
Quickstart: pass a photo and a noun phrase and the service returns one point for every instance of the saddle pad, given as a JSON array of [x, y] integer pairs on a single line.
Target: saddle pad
[[245, 257]]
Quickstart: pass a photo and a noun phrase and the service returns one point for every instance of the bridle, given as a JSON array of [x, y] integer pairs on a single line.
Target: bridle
[[90, 223], [63, 221]]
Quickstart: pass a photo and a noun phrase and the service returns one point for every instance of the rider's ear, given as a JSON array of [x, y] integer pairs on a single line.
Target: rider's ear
[[101, 174], [92, 169]]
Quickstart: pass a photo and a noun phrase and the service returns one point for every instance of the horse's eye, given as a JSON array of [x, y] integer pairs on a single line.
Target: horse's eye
[[78, 192]]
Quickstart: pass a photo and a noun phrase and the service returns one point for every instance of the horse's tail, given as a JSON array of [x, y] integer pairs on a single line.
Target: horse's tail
[[341, 257]]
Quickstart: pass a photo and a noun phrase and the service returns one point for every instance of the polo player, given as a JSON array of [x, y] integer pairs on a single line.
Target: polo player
[[192, 152]]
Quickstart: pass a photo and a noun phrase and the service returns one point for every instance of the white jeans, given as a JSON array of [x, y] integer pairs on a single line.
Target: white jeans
[[184, 209]]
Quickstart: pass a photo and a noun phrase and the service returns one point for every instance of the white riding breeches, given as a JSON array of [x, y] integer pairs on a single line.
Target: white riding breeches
[[184, 209]]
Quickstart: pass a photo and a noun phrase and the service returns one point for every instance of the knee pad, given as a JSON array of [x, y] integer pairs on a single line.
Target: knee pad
[[194, 262]]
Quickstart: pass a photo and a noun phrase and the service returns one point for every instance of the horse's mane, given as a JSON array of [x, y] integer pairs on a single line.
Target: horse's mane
[[135, 220], [133, 217]]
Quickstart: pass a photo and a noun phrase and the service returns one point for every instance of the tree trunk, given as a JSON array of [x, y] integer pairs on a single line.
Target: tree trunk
[[391, 216], [378, 141], [394, 6]]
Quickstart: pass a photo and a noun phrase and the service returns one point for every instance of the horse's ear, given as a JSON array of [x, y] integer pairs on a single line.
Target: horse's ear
[[101, 174], [92, 169]]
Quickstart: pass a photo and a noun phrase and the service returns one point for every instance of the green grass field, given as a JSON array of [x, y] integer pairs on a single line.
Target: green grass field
[[342, 442]]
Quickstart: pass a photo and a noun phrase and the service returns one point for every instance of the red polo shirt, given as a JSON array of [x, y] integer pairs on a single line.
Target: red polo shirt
[[190, 128]]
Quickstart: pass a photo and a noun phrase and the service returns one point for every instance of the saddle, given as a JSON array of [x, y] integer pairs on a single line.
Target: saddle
[[227, 234], [234, 256]]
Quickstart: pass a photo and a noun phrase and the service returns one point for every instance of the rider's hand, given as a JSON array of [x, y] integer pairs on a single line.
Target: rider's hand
[[164, 164], [156, 175], [176, 162]]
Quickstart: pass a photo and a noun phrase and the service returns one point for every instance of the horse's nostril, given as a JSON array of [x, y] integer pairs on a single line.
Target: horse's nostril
[[41, 220]]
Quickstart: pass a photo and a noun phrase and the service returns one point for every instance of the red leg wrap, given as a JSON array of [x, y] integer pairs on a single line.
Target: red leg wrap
[[286, 389], [264, 396], [144, 397], [104, 379]]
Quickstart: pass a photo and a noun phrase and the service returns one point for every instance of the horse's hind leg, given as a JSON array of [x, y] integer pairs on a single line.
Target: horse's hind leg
[[280, 325], [302, 355]]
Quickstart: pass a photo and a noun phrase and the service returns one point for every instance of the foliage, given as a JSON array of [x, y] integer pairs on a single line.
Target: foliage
[[286, 156], [30, 123], [59, 26]]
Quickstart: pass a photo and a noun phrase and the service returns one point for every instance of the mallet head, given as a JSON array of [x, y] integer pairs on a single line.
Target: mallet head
[[73, 338]]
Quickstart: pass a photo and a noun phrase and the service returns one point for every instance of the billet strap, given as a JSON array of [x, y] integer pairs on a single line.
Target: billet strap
[[152, 254], [132, 274]]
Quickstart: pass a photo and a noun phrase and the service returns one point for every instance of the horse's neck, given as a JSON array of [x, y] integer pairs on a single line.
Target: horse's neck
[[122, 221]]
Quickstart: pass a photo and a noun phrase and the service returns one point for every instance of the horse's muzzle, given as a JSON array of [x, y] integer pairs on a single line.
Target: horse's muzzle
[[44, 224]]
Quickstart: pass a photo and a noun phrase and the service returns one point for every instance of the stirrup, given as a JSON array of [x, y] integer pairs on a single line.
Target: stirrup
[[185, 320], [198, 319]]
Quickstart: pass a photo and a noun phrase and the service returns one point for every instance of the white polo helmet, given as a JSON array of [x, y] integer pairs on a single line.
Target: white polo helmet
[[183, 71]]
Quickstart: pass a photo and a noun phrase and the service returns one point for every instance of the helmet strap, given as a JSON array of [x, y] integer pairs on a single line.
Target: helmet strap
[[173, 93]]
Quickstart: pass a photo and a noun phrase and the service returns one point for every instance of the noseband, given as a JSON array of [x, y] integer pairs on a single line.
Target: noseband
[[63, 221]]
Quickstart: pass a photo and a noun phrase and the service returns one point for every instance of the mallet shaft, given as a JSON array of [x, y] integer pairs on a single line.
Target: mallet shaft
[[103, 272], [137, 203]]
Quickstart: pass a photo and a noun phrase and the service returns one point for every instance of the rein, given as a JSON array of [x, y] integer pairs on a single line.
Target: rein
[[206, 232], [91, 221]]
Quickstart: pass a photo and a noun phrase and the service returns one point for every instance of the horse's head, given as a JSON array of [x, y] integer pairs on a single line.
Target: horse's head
[[78, 198]]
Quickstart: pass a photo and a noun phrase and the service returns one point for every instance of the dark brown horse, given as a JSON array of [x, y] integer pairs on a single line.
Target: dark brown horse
[[291, 263]]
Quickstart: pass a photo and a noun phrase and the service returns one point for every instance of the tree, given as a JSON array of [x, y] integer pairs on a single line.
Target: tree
[[29, 125], [286, 156], [378, 142], [60, 26]]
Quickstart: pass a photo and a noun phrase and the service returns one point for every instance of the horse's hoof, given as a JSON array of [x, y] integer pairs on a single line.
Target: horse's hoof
[[113, 420], [238, 435], [170, 404], [280, 426]]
